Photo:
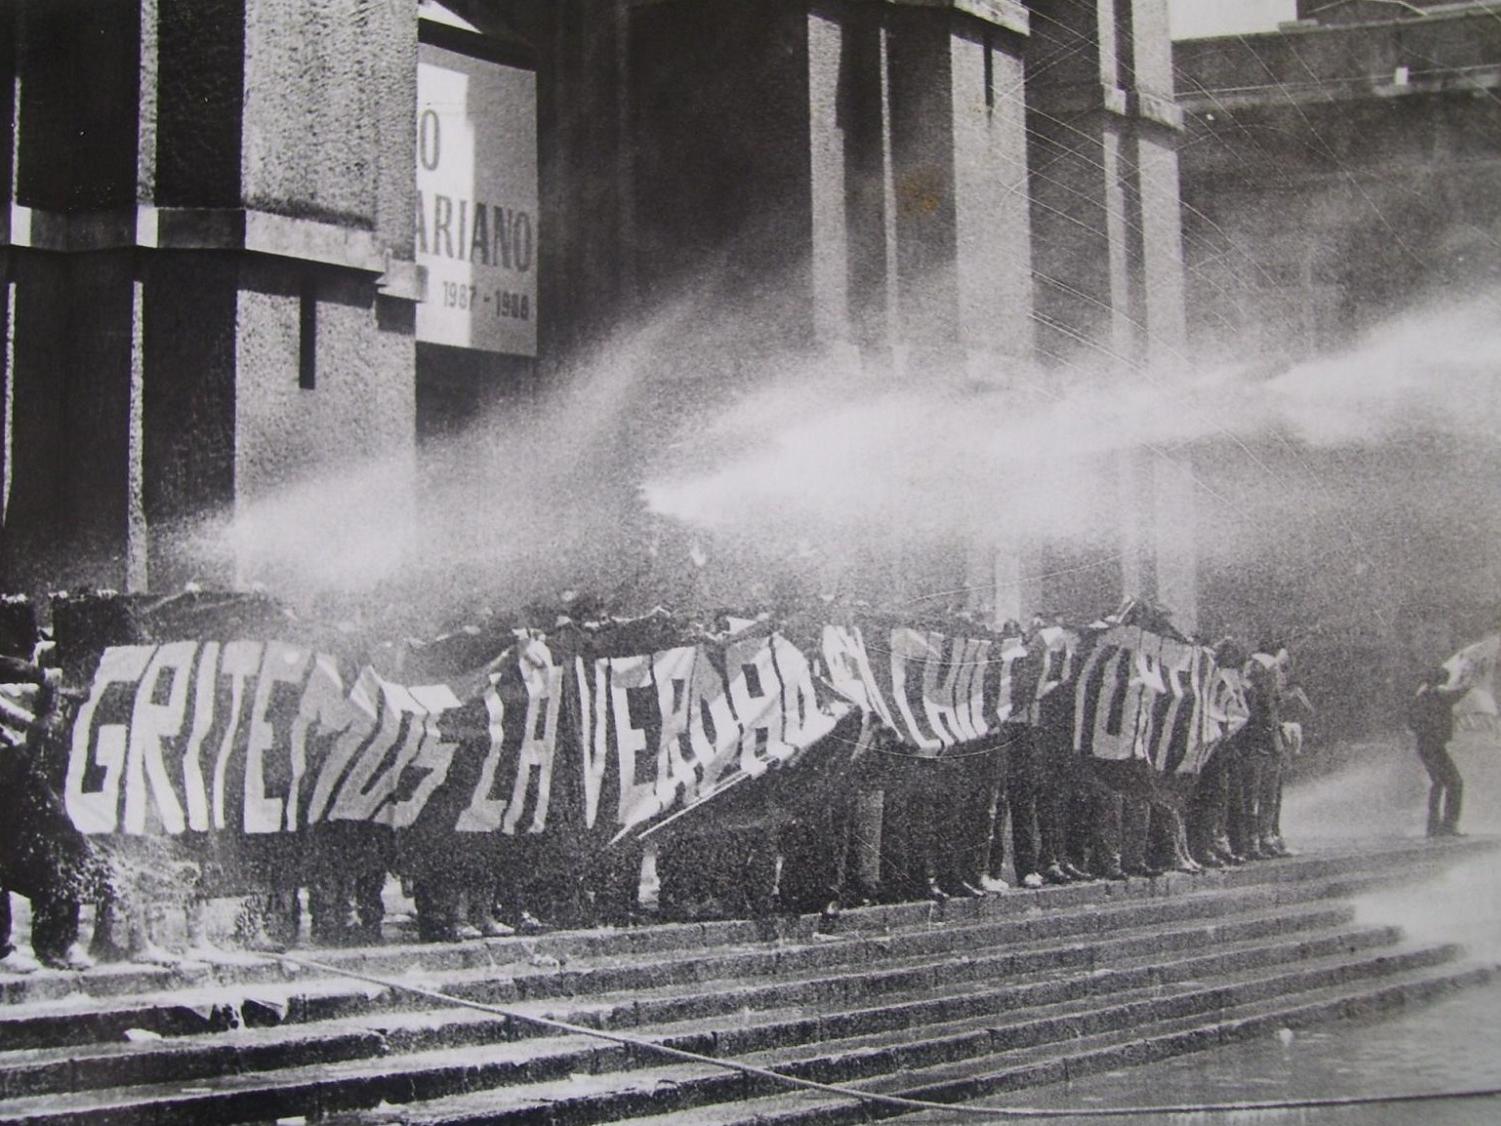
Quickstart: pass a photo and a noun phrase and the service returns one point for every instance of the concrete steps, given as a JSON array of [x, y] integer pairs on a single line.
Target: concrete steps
[[901, 998], [923, 991]]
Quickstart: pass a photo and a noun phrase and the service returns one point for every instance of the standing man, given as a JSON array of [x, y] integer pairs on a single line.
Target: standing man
[[1431, 717], [1263, 747]]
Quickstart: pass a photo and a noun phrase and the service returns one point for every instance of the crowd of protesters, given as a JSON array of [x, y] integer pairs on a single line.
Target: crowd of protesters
[[1018, 810]]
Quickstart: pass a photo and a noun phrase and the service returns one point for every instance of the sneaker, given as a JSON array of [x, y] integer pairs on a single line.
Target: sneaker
[[73, 958], [994, 884], [1032, 880], [148, 953], [18, 961], [530, 924], [961, 890]]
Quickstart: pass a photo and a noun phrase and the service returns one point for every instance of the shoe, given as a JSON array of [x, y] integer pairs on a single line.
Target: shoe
[[994, 884], [73, 958], [974, 892], [1186, 864], [1145, 871], [150, 954], [1074, 872], [494, 928], [1055, 875], [19, 962], [1210, 860], [1449, 831], [936, 893], [1112, 872], [530, 924], [467, 932], [1032, 880]]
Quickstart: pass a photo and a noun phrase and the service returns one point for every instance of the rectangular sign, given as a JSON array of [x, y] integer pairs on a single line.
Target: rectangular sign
[[476, 222]]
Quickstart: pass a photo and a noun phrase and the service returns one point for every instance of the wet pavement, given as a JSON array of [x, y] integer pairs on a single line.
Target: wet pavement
[[1451, 1045]]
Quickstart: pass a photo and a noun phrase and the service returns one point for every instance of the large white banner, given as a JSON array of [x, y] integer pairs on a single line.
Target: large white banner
[[477, 202]]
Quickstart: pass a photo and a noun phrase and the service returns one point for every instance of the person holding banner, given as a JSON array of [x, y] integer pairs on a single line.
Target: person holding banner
[[1431, 717], [42, 857], [1210, 808]]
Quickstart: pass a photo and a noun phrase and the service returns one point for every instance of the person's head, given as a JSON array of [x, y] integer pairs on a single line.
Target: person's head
[[1229, 653]]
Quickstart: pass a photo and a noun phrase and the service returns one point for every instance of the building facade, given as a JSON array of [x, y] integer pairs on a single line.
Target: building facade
[[216, 289], [1342, 199]]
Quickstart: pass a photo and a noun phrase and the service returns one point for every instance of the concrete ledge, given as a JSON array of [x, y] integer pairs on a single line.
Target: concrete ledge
[[212, 228], [1134, 105], [1007, 15], [1458, 80]]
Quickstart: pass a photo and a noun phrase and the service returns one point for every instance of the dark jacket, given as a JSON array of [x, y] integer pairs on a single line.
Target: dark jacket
[[1430, 714]]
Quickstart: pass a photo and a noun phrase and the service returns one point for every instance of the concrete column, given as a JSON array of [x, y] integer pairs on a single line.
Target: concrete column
[[831, 136], [1108, 246], [958, 155], [74, 160], [7, 394], [188, 388], [9, 84], [737, 173], [586, 181]]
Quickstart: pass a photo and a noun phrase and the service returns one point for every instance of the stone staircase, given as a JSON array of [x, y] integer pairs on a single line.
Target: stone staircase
[[946, 1003]]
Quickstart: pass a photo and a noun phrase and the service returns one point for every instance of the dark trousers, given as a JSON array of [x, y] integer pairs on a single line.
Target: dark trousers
[[1209, 807], [1446, 788], [1269, 799], [848, 871], [54, 923], [1021, 796], [1056, 777], [1245, 788], [966, 785], [998, 788]]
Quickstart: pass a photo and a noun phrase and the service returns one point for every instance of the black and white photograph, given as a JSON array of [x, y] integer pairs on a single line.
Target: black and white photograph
[[750, 562]]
